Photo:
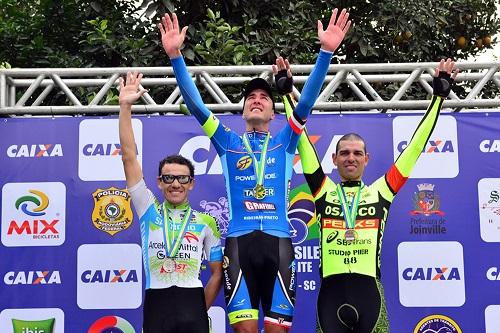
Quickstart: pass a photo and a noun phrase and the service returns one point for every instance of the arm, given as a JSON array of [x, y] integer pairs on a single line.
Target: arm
[[400, 171], [330, 40], [129, 94], [214, 283], [172, 39]]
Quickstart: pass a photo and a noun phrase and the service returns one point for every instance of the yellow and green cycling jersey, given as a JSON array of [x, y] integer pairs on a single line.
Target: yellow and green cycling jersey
[[361, 252]]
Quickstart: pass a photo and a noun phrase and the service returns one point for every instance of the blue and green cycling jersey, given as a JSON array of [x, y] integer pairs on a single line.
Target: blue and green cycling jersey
[[246, 212]]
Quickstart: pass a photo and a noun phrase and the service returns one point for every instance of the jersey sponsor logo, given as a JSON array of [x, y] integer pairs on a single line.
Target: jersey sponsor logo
[[332, 236], [244, 178], [225, 262], [32, 277], [427, 279], [227, 281], [35, 150], [252, 206], [111, 324], [437, 324], [248, 193], [112, 212], [439, 156], [99, 149], [244, 163], [244, 316], [489, 209], [33, 214], [490, 146], [431, 273], [329, 223], [493, 274]]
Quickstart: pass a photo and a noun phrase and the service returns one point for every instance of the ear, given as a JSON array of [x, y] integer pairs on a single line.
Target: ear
[[158, 182], [334, 158], [367, 157], [191, 185], [272, 115]]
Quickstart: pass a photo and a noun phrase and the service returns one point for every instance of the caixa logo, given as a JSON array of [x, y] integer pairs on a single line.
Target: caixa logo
[[36, 150], [433, 146], [102, 149], [32, 277], [490, 146], [493, 274], [110, 276], [431, 273]]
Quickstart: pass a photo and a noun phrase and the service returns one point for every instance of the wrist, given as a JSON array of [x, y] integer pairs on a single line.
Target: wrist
[[174, 54]]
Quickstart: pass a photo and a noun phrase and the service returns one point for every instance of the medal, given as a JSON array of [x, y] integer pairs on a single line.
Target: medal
[[168, 265], [350, 235], [173, 239], [259, 166], [259, 192]]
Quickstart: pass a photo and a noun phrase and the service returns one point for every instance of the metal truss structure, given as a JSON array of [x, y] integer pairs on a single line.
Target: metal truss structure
[[28, 91]]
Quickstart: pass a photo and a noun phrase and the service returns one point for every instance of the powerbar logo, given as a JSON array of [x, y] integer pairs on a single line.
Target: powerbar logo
[[38, 150], [253, 206]]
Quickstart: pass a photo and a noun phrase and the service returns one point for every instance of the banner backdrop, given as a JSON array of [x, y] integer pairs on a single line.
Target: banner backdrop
[[70, 243]]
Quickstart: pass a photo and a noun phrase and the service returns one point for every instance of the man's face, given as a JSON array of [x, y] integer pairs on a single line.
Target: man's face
[[258, 107], [175, 193], [351, 159]]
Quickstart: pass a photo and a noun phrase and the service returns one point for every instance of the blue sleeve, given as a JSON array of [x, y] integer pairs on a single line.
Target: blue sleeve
[[189, 92], [311, 89]]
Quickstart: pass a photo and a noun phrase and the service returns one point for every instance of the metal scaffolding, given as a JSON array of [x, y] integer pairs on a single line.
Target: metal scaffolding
[[27, 91]]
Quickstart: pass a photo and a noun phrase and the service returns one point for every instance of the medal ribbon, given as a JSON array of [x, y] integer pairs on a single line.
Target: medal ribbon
[[258, 166], [173, 242], [350, 211]]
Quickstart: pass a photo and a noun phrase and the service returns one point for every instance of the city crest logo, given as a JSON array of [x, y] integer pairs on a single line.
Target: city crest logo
[[426, 201], [112, 212]]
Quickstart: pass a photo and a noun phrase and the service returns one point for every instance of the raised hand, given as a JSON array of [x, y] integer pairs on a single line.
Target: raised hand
[[335, 32], [283, 76], [444, 76], [171, 37], [130, 90]]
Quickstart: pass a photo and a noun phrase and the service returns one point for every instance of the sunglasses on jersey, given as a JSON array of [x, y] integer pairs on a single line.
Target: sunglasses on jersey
[[169, 179]]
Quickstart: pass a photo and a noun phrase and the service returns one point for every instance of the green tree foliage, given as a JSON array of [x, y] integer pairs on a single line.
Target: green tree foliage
[[111, 33]]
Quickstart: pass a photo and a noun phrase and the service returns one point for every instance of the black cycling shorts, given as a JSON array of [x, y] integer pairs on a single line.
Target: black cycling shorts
[[259, 268], [351, 303], [175, 310]]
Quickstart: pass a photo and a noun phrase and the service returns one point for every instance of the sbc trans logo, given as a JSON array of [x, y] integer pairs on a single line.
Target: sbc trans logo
[[437, 324], [112, 212], [111, 324], [33, 214]]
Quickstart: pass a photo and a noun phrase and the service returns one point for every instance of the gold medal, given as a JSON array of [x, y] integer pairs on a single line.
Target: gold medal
[[350, 235], [259, 192]]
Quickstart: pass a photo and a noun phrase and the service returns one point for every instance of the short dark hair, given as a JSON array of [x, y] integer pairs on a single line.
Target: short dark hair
[[350, 136], [176, 159]]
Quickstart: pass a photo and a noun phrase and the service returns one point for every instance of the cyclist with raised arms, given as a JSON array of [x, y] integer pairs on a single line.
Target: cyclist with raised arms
[[174, 237], [259, 262], [352, 216]]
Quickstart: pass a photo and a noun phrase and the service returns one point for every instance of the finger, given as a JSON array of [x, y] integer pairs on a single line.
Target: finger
[[342, 18], [275, 69], [289, 73], [160, 27], [122, 84], [168, 22], [346, 28], [183, 32], [164, 21], [175, 22], [450, 64], [455, 73], [333, 18], [139, 77], [129, 78], [287, 64], [320, 27], [344, 21]]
